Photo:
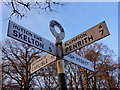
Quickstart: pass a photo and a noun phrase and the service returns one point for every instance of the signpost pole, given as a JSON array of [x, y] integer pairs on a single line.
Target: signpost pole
[[60, 63], [60, 66]]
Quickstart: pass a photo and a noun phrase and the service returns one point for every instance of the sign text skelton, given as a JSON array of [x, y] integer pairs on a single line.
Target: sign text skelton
[[91, 35], [24, 35]]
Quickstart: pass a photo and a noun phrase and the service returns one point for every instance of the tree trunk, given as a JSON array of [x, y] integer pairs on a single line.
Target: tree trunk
[[86, 81], [71, 86]]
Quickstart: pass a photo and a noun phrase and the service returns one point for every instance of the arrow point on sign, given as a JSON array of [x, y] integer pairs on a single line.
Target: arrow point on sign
[[100, 26]]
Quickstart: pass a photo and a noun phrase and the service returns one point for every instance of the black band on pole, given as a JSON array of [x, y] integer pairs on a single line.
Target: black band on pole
[[62, 81]]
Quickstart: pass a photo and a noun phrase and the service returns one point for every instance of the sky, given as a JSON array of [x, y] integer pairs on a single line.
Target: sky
[[75, 18]]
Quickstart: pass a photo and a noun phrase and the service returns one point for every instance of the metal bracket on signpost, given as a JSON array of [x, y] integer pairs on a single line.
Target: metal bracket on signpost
[[59, 48], [60, 63]]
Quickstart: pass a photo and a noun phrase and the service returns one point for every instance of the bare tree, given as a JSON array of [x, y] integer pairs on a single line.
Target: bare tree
[[17, 58], [47, 77], [102, 77], [16, 61], [21, 7]]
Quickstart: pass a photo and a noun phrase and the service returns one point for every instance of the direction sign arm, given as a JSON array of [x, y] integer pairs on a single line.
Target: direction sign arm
[[24, 35], [91, 35]]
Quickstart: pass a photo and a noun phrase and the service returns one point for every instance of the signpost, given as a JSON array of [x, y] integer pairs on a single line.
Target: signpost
[[81, 61], [59, 50], [24, 35], [91, 35], [60, 63], [41, 62]]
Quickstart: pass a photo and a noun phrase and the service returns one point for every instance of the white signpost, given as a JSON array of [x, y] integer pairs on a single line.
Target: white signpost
[[76, 59], [41, 62], [91, 35], [24, 35]]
